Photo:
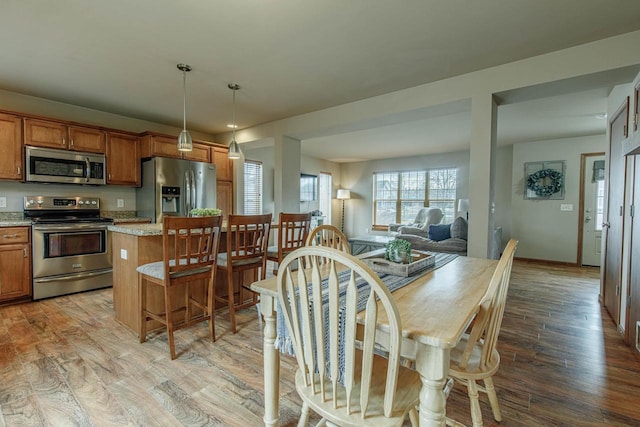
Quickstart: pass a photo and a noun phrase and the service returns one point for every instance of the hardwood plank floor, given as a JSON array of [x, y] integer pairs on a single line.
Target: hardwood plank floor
[[66, 361]]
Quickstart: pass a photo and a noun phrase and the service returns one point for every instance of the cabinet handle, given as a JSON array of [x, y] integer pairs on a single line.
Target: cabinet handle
[[26, 254], [10, 236], [63, 141], [19, 170], [71, 142]]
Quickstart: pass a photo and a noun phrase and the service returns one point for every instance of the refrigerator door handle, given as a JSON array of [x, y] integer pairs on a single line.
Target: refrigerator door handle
[[193, 190], [187, 190]]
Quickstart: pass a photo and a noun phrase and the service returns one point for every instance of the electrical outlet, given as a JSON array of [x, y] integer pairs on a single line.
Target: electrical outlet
[[3, 202], [120, 203], [123, 253], [566, 207]]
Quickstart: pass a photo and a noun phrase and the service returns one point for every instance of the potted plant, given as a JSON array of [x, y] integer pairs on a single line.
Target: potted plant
[[398, 250], [205, 212]]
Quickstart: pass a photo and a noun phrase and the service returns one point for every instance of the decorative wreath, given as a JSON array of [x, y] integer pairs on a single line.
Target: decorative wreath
[[545, 182]]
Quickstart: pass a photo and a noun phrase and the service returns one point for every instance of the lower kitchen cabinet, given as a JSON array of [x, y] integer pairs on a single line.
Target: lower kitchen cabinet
[[15, 264]]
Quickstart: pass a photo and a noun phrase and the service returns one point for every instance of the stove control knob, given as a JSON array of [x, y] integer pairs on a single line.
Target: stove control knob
[[93, 202], [30, 202], [81, 203], [40, 202]]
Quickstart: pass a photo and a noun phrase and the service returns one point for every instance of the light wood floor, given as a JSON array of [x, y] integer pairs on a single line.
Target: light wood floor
[[66, 361]]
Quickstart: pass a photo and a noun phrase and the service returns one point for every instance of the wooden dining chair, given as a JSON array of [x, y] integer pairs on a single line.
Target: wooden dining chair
[[476, 358], [190, 248], [247, 241], [293, 229], [339, 375], [329, 236]]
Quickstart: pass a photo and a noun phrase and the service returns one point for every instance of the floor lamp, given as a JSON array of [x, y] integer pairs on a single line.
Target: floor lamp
[[343, 195]]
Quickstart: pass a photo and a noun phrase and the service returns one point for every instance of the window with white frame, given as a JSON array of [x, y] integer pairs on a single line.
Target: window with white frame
[[252, 187], [398, 196]]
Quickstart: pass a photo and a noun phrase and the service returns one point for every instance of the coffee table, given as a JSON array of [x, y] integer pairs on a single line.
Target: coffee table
[[368, 243]]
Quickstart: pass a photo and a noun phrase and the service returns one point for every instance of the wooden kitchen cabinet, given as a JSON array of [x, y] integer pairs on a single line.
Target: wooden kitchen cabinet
[[224, 165], [155, 145], [15, 264], [123, 159], [11, 157], [200, 153], [52, 134], [224, 198]]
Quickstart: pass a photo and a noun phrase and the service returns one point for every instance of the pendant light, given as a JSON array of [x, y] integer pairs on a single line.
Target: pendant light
[[234, 148], [184, 140]]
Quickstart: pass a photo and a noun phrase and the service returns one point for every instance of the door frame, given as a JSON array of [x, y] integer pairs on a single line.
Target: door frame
[[583, 172]]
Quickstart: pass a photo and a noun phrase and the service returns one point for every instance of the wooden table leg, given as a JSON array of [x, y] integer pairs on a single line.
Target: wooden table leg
[[433, 365], [271, 362]]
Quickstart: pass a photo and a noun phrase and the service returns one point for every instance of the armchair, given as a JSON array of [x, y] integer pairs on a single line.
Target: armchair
[[421, 223]]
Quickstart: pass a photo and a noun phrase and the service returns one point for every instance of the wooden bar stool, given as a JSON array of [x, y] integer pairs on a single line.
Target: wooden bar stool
[[190, 249], [292, 234], [247, 241]]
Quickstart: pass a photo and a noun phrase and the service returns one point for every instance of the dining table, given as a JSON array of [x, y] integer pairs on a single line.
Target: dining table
[[435, 310]]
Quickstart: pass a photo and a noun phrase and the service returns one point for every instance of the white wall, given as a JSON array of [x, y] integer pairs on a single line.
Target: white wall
[[545, 232], [358, 177], [308, 165], [503, 192]]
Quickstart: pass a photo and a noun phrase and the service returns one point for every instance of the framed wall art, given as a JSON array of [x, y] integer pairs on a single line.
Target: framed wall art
[[544, 180]]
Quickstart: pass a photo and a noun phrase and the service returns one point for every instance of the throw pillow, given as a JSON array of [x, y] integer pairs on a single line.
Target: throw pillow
[[459, 228], [438, 232]]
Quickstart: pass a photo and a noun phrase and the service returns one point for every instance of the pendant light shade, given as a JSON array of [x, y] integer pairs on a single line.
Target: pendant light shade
[[185, 143], [234, 148]]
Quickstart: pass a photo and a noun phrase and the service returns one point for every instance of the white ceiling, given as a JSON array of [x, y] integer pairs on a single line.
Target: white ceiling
[[292, 57]]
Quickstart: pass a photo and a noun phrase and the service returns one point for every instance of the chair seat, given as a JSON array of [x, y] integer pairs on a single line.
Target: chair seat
[[222, 261], [473, 369], [407, 397], [156, 269]]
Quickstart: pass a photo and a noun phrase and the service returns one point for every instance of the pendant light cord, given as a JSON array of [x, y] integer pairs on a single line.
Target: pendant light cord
[[233, 114], [184, 99]]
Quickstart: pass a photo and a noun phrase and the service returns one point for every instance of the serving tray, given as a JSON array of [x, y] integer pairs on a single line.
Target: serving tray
[[421, 260]]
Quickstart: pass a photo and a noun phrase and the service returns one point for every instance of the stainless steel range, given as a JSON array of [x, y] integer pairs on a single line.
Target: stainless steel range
[[71, 248]]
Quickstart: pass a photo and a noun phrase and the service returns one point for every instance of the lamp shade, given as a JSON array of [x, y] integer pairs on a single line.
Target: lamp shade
[[463, 206], [234, 150], [343, 194]]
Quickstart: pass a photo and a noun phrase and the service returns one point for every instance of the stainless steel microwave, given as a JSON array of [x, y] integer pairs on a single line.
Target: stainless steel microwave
[[72, 167]]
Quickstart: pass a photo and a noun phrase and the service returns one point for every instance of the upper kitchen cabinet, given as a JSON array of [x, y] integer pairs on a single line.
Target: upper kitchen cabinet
[[224, 165], [52, 134], [11, 147], [155, 145], [123, 159]]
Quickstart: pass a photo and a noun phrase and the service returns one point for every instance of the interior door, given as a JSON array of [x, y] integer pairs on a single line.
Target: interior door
[[633, 315], [592, 208], [613, 224]]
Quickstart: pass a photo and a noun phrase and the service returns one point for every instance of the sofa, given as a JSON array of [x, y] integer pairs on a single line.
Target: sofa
[[450, 238], [424, 218]]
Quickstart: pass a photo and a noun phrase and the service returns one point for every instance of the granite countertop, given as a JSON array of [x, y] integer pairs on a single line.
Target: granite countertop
[[15, 223], [13, 219], [139, 219], [137, 229]]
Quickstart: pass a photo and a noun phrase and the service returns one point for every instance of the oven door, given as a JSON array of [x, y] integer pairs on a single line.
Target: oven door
[[70, 248]]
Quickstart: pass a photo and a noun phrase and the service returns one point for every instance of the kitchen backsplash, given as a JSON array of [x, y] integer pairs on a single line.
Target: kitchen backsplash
[[109, 195]]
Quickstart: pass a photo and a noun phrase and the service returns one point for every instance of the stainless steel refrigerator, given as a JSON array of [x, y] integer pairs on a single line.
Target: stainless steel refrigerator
[[174, 187]]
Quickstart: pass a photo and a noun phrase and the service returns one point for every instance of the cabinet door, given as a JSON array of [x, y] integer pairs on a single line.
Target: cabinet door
[[200, 153], [86, 139], [165, 147], [224, 198], [15, 263], [42, 133], [11, 147], [224, 165], [123, 160]]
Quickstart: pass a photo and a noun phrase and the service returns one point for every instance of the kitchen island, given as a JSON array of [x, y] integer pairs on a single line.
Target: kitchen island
[[133, 245]]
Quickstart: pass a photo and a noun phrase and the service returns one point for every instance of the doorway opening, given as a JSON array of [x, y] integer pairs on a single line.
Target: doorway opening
[[592, 189]]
